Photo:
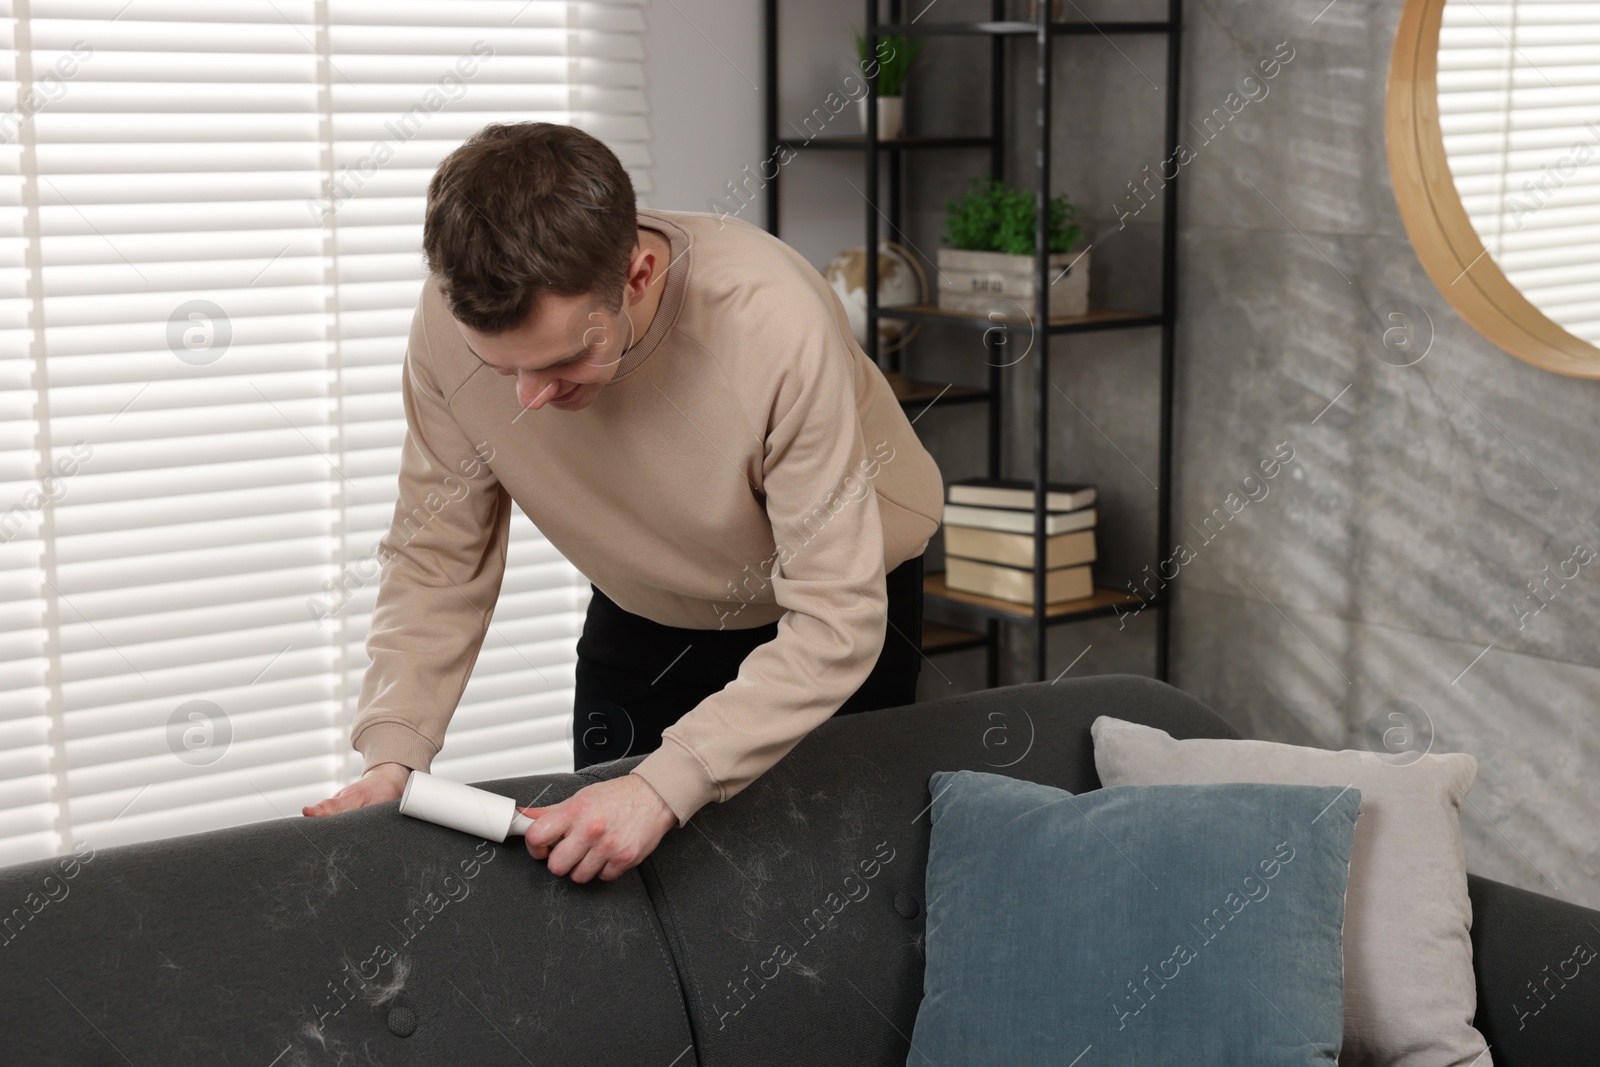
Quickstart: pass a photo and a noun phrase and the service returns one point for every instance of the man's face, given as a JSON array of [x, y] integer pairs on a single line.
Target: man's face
[[566, 350]]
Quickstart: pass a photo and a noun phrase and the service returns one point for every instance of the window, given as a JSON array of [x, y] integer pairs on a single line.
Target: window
[[1519, 110], [210, 216]]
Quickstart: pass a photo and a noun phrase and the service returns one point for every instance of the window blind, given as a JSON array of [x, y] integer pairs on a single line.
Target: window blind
[[1519, 109], [210, 217]]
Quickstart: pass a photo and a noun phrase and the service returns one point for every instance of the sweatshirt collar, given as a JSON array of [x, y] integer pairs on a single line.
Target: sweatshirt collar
[[678, 264]]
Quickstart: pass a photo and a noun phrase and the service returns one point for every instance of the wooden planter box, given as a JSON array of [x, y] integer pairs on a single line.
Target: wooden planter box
[[980, 283]]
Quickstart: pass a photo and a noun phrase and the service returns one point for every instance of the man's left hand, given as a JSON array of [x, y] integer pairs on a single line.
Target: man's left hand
[[607, 829]]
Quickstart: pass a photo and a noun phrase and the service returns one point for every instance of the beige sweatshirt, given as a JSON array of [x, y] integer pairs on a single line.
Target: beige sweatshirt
[[746, 464]]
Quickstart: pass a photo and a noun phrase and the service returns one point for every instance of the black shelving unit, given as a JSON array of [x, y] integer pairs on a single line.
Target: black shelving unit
[[941, 637]]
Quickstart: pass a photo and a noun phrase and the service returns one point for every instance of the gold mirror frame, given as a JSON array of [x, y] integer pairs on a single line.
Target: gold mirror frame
[[1440, 231]]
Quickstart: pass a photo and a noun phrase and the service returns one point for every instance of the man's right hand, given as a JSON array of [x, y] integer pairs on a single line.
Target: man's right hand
[[383, 783]]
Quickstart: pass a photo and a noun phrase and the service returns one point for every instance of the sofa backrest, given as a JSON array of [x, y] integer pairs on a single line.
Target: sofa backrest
[[785, 926], [795, 911], [1537, 961], [366, 937]]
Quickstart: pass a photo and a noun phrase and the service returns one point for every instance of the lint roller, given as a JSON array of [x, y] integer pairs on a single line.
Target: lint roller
[[462, 807]]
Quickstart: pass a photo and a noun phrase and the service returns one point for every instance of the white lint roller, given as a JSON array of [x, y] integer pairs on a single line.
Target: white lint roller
[[462, 807]]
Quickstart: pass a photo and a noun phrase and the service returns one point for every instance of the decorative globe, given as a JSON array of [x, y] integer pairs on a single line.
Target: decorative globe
[[900, 281]]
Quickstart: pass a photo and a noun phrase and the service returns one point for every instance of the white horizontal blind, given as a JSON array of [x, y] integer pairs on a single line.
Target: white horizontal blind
[[1519, 108], [26, 798], [211, 236]]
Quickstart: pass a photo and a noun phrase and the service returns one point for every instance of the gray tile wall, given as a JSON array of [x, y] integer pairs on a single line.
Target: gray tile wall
[[1389, 560], [1391, 563]]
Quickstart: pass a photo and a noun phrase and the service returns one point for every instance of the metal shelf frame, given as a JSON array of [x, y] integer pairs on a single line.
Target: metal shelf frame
[[890, 154]]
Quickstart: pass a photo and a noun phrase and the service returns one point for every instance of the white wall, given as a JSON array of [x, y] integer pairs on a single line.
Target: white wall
[[703, 62]]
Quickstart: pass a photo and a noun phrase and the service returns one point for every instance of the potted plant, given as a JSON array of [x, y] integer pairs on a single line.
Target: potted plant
[[892, 70], [987, 259]]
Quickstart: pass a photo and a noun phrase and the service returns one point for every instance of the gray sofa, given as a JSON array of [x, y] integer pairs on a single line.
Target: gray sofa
[[783, 927]]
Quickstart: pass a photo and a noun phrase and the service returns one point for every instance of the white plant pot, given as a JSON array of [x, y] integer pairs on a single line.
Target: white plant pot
[[891, 116], [984, 283]]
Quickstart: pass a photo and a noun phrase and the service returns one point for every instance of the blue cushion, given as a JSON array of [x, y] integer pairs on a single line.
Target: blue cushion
[[1155, 924]]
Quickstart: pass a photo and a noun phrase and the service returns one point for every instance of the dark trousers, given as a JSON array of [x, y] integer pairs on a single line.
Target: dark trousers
[[636, 677]]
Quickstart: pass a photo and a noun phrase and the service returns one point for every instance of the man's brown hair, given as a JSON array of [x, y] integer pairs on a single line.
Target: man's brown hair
[[527, 208]]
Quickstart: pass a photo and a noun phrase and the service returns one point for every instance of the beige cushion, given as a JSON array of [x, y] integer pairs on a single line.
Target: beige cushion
[[1409, 992]]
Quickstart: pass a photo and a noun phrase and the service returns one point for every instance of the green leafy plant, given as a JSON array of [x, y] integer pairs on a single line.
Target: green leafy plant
[[895, 56], [994, 217]]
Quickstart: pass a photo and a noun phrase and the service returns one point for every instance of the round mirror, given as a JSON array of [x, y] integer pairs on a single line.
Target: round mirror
[[1493, 135]]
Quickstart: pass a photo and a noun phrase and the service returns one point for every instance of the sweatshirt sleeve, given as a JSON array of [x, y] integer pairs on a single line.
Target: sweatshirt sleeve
[[828, 574], [442, 558]]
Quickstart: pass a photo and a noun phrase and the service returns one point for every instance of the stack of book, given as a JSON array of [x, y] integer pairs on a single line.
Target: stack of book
[[988, 539]]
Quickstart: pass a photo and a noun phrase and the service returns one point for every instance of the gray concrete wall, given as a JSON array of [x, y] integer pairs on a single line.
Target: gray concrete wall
[[1391, 563]]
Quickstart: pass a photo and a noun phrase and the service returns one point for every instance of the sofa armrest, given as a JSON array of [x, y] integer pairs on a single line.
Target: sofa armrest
[[1538, 968]]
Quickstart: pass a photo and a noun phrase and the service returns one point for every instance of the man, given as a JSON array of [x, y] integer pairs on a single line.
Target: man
[[692, 426]]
